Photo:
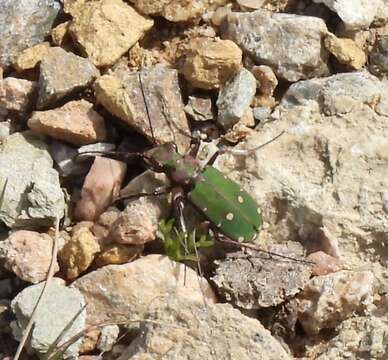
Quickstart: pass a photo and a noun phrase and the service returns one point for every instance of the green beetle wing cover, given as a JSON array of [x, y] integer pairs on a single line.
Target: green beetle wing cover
[[225, 204]]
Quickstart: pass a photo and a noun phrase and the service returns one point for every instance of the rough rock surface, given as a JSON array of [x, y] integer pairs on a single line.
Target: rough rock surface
[[255, 280], [177, 10], [101, 186], [105, 30], [131, 289], [62, 73], [28, 255], [186, 330], [23, 24], [59, 307], [17, 94], [122, 95], [200, 108], [118, 254], [75, 122], [258, 31], [378, 60], [235, 98], [31, 57], [33, 196], [209, 63]]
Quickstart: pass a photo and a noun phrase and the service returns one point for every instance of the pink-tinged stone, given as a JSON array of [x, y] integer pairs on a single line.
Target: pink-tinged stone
[[76, 122], [28, 255], [101, 186], [17, 94], [324, 264]]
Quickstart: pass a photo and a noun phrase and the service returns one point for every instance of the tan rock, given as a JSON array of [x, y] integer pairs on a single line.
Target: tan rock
[[31, 57], [28, 255], [60, 32], [139, 286], [324, 264], [17, 94], [346, 51], [79, 252], [177, 10], [102, 226], [266, 79], [105, 30], [76, 122], [209, 63], [118, 254], [101, 186], [242, 129]]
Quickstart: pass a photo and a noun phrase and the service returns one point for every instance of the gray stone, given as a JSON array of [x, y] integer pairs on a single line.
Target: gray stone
[[195, 331], [200, 108], [33, 196], [378, 59], [290, 44], [63, 155], [60, 307], [235, 97], [62, 73], [121, 94], [261, 113], [24, 23], [108, 337], [254, 280]]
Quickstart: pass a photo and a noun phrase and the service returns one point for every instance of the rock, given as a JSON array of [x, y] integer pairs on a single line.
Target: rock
[[323, 263], [256, 280], [314, 194], [101, 186], [242, 129], [329, 299], [258, 31], [378, 60], [59, 34], [250, 4], [200, 108], [176, 10], [272, 5], [122, 96], [33, 196], [59, 307], [24, 23], [356, 14], [118, 254], [5, 315], [31, 57], [209, 63], [266, 79], [235, 97], [28, 255], [186, 330], [61, 74], [345, 51], [356, 338], [261, 113], [131, 289], [105, 30], [108, 337], [78, 254], [103, 224], [17, 94], [75, 122]]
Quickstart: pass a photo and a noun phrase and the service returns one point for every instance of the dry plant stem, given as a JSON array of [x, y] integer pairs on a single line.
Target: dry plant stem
[[50, 275]]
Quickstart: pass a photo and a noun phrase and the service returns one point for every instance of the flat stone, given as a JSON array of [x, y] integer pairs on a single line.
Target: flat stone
[[235, 97], [28, 255], [298, 53], [33, 196], [61, 74], [131, 289], [209, 63], [121, 94], [17, 94], [105, 30], [23, 24], [60, 307], [75, 122], [186, 330], [200, 108], [31, 57]]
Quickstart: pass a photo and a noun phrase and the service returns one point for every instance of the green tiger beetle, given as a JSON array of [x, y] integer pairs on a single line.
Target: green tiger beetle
[[231, 213]]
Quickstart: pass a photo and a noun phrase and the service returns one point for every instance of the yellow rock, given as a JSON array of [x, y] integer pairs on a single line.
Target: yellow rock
[[208, 63], [30, 57], [118, 254], [346, 51], [105, 30], [59, 33]]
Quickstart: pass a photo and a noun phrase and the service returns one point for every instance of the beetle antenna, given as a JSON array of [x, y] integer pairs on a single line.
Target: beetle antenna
[[116, 155], [146, 107], [250, 151]]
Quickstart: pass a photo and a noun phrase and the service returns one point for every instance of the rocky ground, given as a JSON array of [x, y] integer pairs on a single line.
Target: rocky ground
[[123, 76]]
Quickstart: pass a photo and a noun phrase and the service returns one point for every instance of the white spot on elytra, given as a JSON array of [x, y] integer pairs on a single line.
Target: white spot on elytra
[[229, 216], [240, 199], [219, 225], [204, 209], [241, 239], [258, 211]]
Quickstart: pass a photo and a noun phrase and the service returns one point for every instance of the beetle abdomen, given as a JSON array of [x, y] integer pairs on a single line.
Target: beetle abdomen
[[224, 203]]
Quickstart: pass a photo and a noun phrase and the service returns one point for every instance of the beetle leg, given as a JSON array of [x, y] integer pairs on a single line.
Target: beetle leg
[[213, 158], [162, 190]]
